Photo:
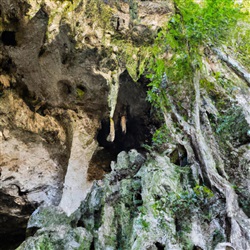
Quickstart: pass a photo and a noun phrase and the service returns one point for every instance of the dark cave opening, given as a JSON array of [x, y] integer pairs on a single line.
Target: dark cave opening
[[197, 248], [9, 38], [14, 231], [92, 246], [11, 242], [133, 126], [137, 134], [159, 246]]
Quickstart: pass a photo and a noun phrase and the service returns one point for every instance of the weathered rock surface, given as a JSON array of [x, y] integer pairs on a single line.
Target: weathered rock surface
[[76, 184], [33, 160], [72, 106], [54, 231], [141, 204], [58, 65]]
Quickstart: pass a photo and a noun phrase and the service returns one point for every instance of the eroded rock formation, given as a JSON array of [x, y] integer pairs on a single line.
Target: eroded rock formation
[[58, 69], [76, 133]]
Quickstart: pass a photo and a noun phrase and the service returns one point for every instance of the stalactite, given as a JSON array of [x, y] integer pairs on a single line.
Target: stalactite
[[112, 78], [123, 124], [111, 136]]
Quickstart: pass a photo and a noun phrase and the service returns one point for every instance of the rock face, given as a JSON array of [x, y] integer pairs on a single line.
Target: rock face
[[141, 204], [76, 182], [79, 168], [33, 162], [55, 233], [58, 66]]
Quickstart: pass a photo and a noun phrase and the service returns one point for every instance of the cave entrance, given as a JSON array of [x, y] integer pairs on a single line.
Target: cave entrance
[[11, 242], [137, 134], [133, 112], [9, 38]]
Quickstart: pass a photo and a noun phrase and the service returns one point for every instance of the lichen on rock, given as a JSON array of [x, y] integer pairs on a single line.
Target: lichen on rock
[[54, 232]]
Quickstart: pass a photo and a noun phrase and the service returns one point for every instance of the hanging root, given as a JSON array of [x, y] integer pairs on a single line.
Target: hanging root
[[111, 136]]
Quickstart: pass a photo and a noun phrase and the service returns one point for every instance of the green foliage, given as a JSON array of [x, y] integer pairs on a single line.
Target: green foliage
[[239, 42], [244, 201], [181, 205], [209, 86], [142, 222], [209, 21], [145, 224], [203, 192], [80, 93], [161, 136], [217, 237], [233, 126], [176, 51], [224, 82], [188, 201], [156, 93], [99, 12], [40, 243], [45, 244], [133, 9], [184, 203]]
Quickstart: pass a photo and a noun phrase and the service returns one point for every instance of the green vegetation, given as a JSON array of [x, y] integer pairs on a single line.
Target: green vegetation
[[181, 205], [99, 12], [42, 242], [218, 237], [177, 51], [232, 126], [80, 93], [133, 9], [240, 36], [186, 202], [45, 244], [240, 44], [161, 136]]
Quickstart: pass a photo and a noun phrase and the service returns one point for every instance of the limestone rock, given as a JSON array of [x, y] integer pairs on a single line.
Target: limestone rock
[[74, 72], [53, 231]]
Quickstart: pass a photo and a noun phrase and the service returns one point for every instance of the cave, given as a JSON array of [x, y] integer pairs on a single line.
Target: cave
[[131, 109], [159, 246], [136, 134], [9, 38], [13, 232], [11, 242]]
